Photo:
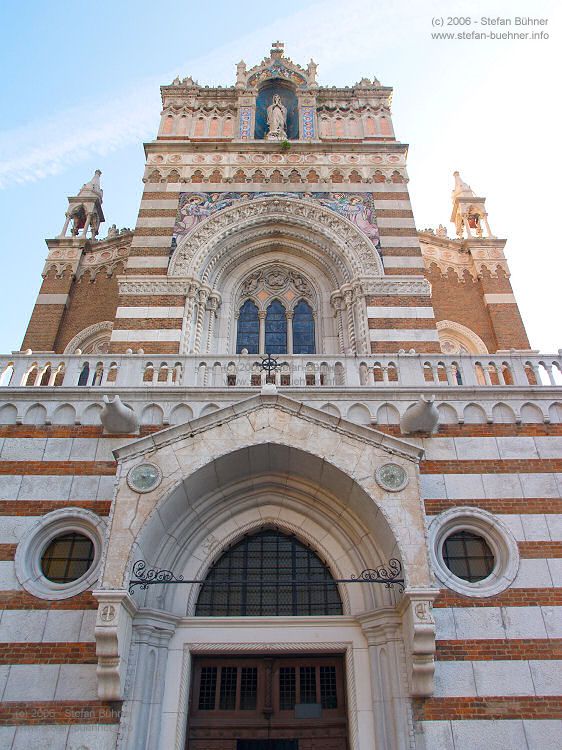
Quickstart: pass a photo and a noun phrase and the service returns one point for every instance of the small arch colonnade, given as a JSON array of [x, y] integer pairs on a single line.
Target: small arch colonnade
[[133, 370]]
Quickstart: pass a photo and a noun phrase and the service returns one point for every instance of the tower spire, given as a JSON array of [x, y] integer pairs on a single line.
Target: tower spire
[[469, 213], [85, 210]]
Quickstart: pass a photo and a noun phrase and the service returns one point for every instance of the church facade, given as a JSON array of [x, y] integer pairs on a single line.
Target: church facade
[[279, 471]]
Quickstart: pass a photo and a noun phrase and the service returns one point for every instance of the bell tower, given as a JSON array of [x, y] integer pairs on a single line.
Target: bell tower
[[78, 296], [84, 210]]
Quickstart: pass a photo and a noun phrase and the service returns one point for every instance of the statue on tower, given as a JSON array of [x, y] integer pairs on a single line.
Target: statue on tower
[[277, 120]]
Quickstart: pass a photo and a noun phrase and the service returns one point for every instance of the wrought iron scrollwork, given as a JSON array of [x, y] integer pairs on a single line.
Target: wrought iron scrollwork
[[387, 574], [144, 577]]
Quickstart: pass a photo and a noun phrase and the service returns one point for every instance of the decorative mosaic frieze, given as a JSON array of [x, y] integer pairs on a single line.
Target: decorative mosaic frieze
[[358, 208], [308, 130], [245, 122]]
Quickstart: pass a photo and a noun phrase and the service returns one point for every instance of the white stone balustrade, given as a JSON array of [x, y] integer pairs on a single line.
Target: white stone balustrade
[[210, 371]]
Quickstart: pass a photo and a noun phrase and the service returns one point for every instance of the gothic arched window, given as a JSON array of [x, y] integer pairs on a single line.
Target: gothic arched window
[[276, 329], [303, 329], [248, 328], [265, 574]]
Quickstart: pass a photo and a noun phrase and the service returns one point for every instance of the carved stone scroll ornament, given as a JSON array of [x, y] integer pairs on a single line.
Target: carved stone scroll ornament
[[113, 632], [418, 628]]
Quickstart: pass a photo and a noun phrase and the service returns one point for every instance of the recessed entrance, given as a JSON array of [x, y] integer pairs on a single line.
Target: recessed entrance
[[268, 703]]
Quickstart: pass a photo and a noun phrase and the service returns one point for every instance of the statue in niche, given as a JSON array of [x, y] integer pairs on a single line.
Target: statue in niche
[[277, 120]]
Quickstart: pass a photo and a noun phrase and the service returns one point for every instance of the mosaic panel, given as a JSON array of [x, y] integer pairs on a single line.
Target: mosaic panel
[[356, 207], [245, 122], [308, 123]]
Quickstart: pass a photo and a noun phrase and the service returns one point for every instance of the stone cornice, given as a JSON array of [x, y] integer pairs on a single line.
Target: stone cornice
[[261, 146], [367, 435]]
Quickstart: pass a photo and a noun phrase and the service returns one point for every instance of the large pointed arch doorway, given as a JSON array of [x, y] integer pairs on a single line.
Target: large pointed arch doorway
[[269, 701]]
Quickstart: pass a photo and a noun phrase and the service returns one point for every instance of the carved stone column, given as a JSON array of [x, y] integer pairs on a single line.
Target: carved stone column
[[337, 304], [143, 709], [348, 299], [212, 306], [383, 631], [261, 319], [187, 316], [289, 315], [201, 309], [361, 317]]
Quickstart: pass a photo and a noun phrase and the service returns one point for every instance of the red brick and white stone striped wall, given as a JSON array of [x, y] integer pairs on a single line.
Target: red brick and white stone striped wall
[[153, 322], [498, 671], [47, 651], [499, 668]]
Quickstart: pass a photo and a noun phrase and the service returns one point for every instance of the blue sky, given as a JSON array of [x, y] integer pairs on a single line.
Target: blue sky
[[80, 91]]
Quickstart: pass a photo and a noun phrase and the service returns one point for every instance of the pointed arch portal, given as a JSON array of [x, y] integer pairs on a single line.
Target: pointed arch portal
[[244, 492]]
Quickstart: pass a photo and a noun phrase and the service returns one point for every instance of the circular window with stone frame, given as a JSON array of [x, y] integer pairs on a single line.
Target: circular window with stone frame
[[60, 555], [473, 552]]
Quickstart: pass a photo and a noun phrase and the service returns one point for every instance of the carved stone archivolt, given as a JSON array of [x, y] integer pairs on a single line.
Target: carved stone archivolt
[[455, 338], [92, 340], [194, 251]]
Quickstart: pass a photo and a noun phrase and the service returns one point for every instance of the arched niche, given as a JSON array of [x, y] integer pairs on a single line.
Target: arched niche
[[286, 92]]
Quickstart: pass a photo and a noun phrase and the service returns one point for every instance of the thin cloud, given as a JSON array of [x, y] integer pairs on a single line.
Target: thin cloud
[[358, 36], [49, 145]]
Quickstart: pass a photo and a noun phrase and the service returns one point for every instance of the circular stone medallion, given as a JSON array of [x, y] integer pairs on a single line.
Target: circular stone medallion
[[144, 477], [391, 477]]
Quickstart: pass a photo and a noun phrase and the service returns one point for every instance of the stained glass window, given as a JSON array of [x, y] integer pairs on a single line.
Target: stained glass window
[[248, 329], [268, 573], [303, 329], [276, 329]]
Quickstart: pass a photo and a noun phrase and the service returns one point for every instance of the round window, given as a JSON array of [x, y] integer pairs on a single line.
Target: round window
[[468, 556], [67, 558], [60, 555], [473, 552]]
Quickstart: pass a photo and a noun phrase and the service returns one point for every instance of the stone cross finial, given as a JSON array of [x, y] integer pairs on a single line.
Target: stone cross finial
[[277, 48]]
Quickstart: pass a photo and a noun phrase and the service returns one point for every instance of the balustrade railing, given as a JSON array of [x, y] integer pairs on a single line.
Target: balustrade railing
[[209, 371]]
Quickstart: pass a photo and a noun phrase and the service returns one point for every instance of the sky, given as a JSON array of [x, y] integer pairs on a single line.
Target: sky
[[80, 91]]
